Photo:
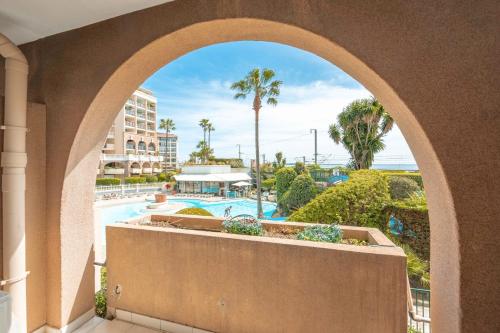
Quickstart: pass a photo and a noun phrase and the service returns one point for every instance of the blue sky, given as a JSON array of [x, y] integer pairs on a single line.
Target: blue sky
[[314, 91]]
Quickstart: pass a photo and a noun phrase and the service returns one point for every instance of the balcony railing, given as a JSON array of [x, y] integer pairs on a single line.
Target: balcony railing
[[141, 115], [130, 157], [135, 171], [129, 124], [147, 170], [130, 112], [108, 146], [113, 171], [151, 107], [141, 126], [141, 105]]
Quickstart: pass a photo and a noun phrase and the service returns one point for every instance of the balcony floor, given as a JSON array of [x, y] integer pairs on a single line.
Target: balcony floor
[[99, 325]]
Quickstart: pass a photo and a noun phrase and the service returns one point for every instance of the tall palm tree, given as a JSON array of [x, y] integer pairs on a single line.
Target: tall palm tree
[[204, 125], [168, 125], [361, 127], [259, 84], [210, 129]]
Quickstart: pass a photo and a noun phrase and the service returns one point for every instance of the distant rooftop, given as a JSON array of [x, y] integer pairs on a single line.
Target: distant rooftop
[[146, 91]]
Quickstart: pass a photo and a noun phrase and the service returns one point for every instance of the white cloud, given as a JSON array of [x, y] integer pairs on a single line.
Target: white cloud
[[282, 128]]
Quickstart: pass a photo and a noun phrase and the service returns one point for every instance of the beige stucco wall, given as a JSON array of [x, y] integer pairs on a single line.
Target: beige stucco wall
[[432, 64], [233, 283], [36, 246]]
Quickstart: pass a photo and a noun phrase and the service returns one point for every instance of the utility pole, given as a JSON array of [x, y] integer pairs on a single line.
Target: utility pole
[[263, 158], [304, 159], [315, 131], [239, 151]]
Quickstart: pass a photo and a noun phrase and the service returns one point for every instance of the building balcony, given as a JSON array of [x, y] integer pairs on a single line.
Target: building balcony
[[141, 115], [375, 274], [156, 170], [129, 124], [147, 171], [108, 146], [130, 113], [141, 126], [135, 171], [141, 105], [114, 171]]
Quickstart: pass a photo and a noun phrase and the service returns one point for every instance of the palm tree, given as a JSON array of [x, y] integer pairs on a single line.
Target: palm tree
[[260, 84], [204, 125], [210, 129], [168, 125], [360, 127], [204, 153]]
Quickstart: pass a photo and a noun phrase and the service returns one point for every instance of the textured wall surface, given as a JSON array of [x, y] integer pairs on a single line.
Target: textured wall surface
[[233, 283], [434, 66]]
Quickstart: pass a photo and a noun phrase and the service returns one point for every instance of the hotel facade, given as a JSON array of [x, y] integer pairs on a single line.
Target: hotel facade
[[132, 146]]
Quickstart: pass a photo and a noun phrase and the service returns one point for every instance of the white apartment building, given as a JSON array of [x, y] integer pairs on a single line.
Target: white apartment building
[[169, 149], [132, 147]]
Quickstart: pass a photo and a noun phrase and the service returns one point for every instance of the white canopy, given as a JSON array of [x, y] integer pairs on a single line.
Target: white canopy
[[241, 184], [213, 177]]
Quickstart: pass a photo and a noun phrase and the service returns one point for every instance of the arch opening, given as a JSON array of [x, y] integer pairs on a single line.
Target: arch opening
[[131, 73]]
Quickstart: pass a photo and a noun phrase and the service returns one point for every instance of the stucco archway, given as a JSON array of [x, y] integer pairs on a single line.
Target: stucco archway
[[365, 40]]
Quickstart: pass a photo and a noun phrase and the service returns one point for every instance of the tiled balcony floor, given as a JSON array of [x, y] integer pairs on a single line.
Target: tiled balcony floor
[[99, 325]]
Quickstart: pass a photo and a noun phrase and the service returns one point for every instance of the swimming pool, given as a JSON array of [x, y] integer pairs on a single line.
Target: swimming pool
[[106, 215]]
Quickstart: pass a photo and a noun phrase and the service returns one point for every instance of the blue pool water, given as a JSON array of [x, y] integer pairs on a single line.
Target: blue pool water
[[107, 215]]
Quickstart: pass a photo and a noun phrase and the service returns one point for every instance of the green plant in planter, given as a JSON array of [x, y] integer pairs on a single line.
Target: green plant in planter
[[321, 233], [194, 211], [243, 226], [100, 296]]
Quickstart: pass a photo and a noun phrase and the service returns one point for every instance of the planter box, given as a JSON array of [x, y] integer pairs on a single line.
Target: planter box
[[223, 282], [160, 197]]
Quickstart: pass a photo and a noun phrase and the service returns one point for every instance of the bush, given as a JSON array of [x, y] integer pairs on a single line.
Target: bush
[[107, 181], [135, 180], [268, 184], [100, 296], [319, 233], [299, 167], [402, 187], [413, 216], [358, 202], [284, 178], [302, 190], [194, 211], [417, 268], [151, 179], [410, 175], [235, 226]]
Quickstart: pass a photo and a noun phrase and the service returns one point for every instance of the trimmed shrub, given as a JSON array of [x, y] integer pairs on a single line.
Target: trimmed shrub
[[235, 226], [194, 211], [302, 190], [151, 179], [135, 180], [413, 216], [299, 167], [284, 178], [321, 233], [358, 202], [402, 187], [410, 175], [107, 181], [268, 183], [100, 296]]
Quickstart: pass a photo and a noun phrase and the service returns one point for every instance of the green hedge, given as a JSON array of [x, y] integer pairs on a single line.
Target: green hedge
[[151, 179], [284, 178], [107, 181], [412, 213], [301, 191], [194, 211], [411, 175], [359, 202], [401, 187], [268, 184], [135, 180]]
